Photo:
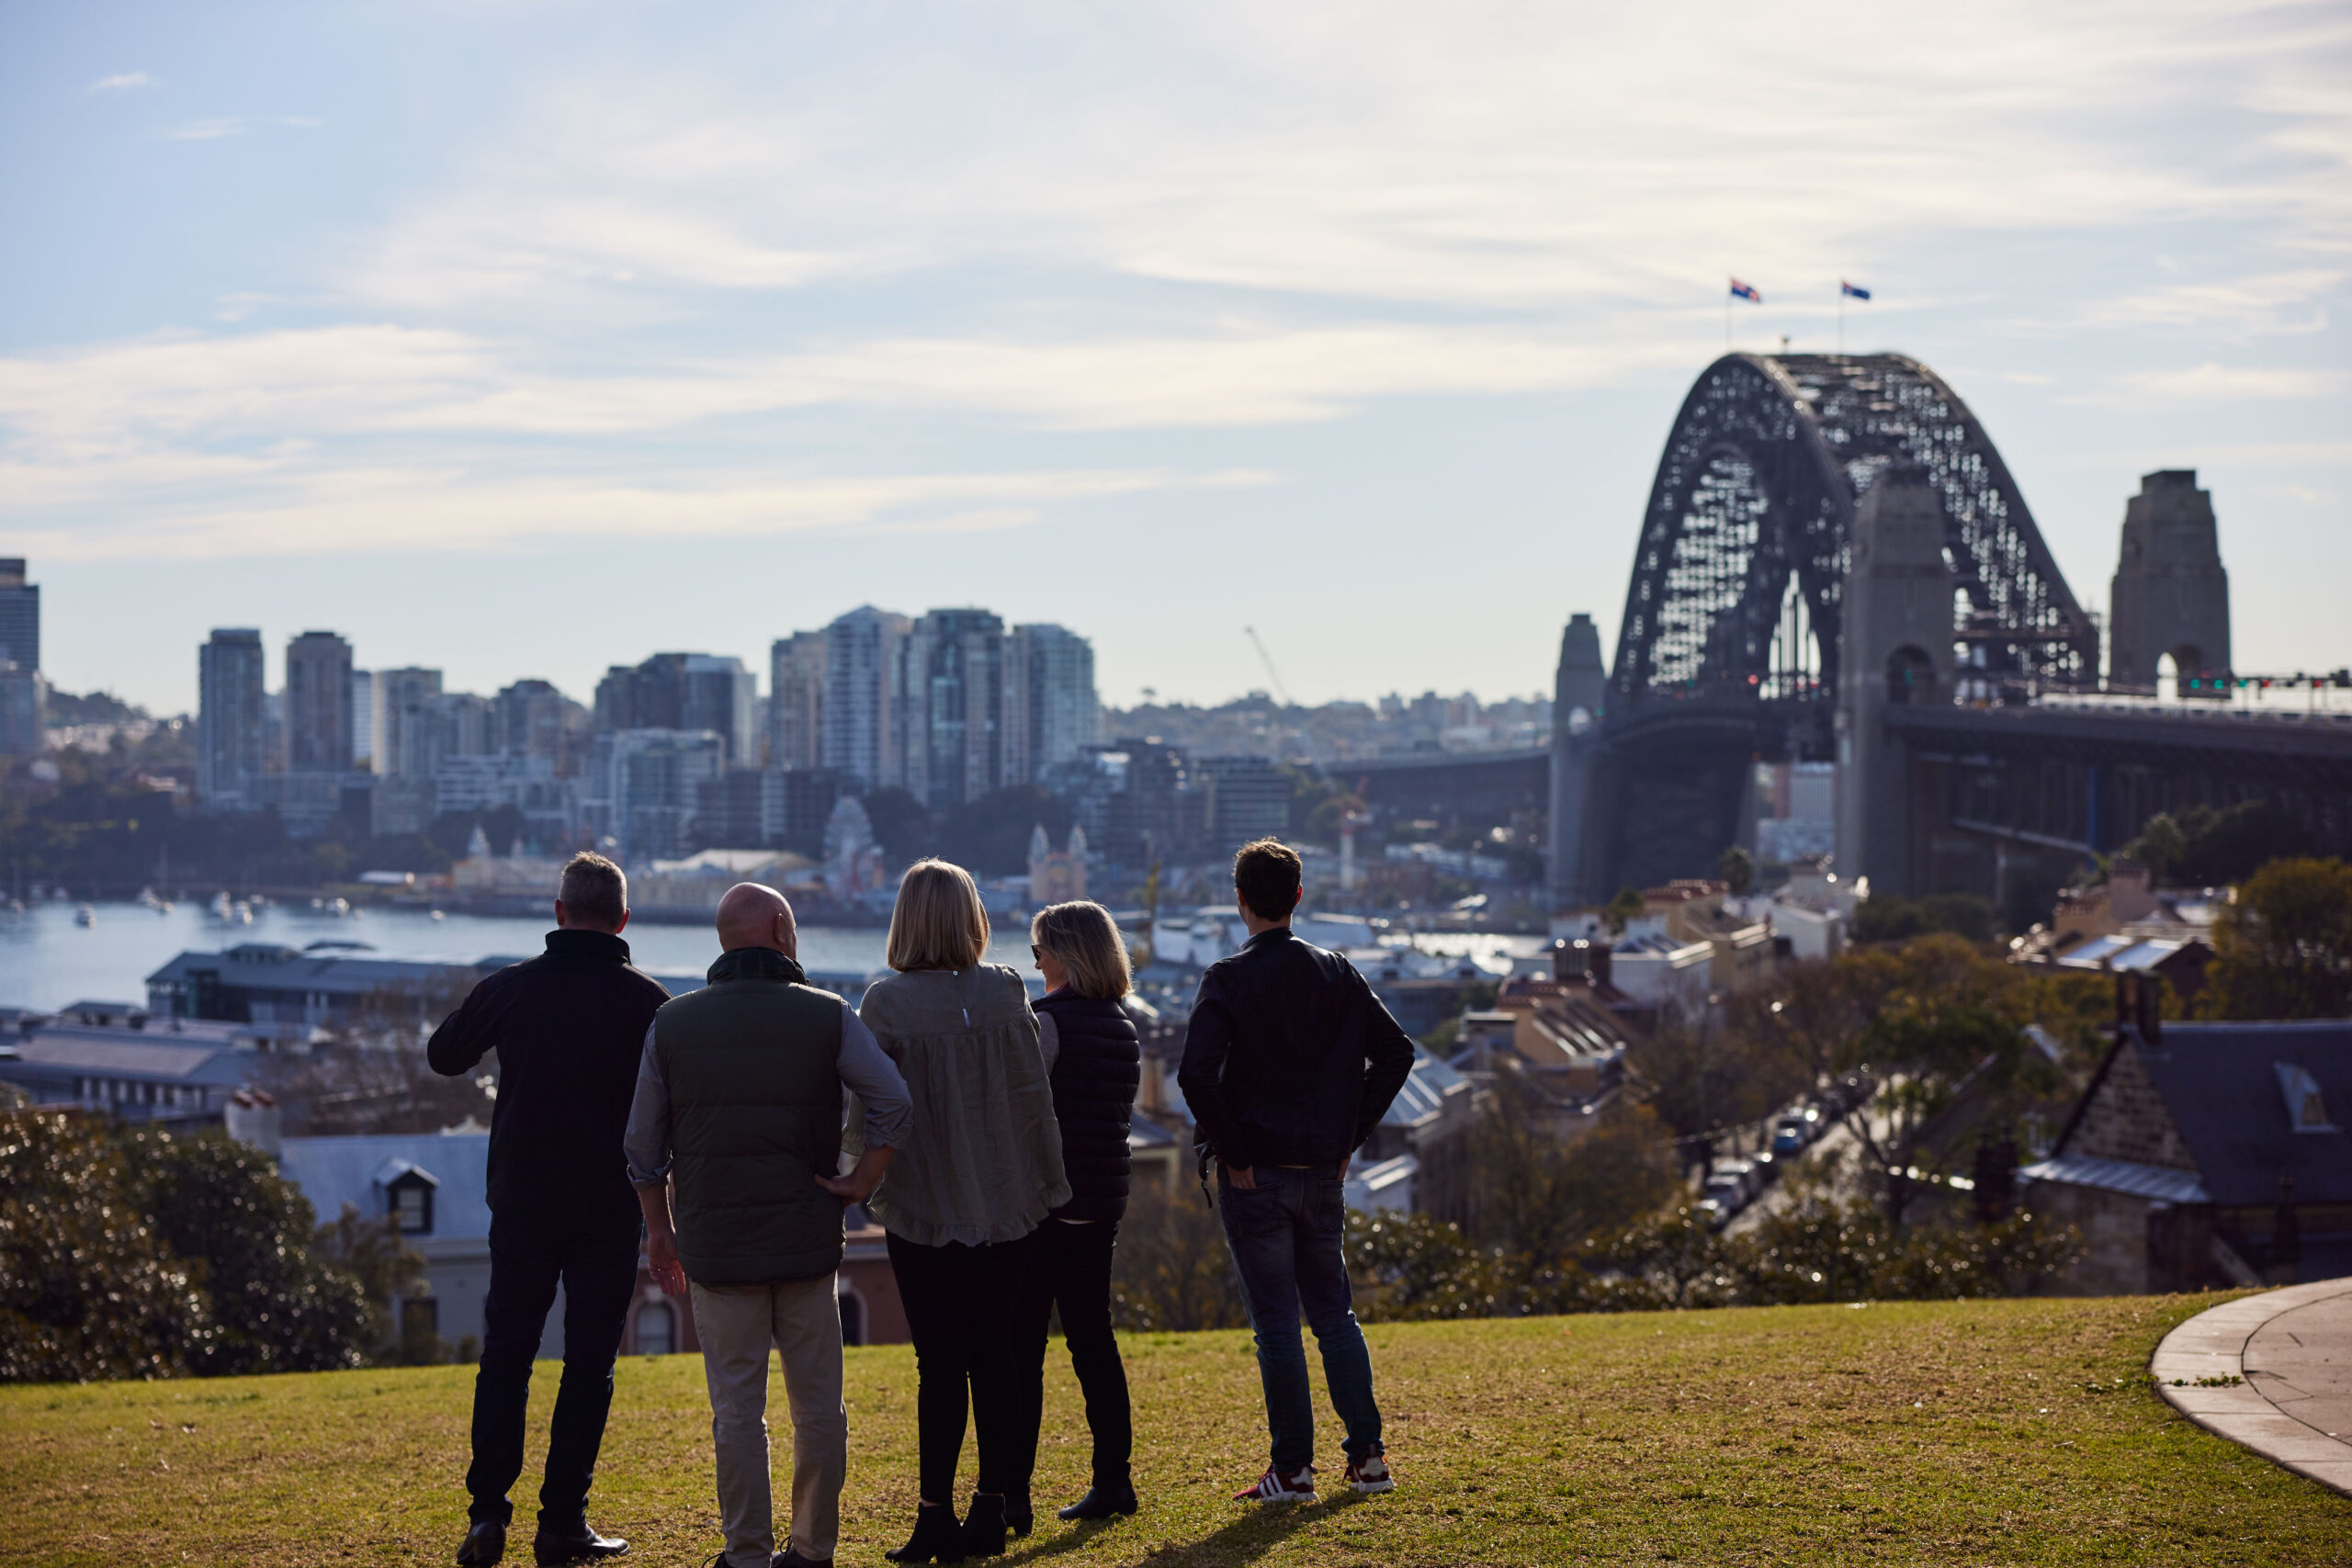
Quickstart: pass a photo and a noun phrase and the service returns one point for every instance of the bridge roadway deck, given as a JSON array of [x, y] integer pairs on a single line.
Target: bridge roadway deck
[[2150, 734]]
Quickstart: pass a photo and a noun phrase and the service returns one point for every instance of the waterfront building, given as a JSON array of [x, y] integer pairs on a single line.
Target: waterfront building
[[797, 701], [230, 700], [1057, 876], [20, 615], [863, 660], [318, 704], [532, 720]]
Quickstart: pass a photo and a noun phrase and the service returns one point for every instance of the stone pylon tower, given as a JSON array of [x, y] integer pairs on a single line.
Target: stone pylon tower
[[1579, 696], [2170, 594], [1895, 648]]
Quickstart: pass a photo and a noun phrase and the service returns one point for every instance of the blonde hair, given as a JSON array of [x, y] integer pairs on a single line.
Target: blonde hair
[[939, 921], [1086, 940]]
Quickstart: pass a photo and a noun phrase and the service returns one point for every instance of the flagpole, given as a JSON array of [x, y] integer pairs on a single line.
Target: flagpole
[[1841, 318]]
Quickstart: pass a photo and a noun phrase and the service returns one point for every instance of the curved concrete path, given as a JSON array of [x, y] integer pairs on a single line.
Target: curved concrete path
[[2277, 1376]]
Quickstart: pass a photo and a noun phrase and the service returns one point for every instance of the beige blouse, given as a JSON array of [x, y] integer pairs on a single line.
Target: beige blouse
[[984, 1161]]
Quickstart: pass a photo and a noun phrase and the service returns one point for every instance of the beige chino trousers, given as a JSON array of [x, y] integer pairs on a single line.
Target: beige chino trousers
[[737, 1323]]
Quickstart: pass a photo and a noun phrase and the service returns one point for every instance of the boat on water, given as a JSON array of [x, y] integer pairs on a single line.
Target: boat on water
[[86, 916]]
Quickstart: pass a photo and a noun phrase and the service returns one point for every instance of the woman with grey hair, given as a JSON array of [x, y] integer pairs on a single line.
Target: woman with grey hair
[[962, 1205], [1096, 1063]]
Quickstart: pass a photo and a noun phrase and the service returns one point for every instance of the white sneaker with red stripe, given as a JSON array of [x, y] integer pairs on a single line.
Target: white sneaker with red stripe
[[1275, 1487], [1370, 1475]]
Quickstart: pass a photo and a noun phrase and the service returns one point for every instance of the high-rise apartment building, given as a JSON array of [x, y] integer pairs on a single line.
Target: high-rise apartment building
[[318, 704], [1052, 714], [951, 707], [367, 753], [20, 615], [644, 787], [863, 660], [683, 690], [797, 701], [23, 711], [410, 699], [1245, 799], [536, 721], [228, 716]]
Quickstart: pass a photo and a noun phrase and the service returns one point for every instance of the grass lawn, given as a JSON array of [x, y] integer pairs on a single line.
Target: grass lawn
[[1980, 1432]]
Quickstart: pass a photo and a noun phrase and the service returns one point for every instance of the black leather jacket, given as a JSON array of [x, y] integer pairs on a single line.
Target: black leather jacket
[[1290, 1059]]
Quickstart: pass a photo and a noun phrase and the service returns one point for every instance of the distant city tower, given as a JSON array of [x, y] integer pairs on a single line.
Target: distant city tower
[[1579, 692]]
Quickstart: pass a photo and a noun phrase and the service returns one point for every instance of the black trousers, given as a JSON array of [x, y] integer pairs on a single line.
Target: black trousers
[[1079, 1261], [595, 1259], [978, 1316]]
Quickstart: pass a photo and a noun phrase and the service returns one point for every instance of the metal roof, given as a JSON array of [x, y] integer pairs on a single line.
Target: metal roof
[[334, 1171], [115, 1057], [2156, 1181], [2220, 1084]]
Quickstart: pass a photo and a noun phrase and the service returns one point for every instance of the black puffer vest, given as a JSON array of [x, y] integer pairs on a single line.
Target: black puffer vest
[[1094, 1078]]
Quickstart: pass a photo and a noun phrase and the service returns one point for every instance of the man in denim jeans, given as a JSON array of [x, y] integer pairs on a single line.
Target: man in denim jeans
[[1289, 1063]]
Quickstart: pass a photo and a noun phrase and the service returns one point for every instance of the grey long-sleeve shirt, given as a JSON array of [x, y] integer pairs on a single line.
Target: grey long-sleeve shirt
[[864, 1071]]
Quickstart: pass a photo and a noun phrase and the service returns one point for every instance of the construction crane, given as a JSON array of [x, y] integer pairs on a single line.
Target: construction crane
[[1268, 659]]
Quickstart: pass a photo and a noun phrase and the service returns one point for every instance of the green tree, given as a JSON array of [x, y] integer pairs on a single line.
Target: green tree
[[1737, 869], [1626, 906], [2283, 947], [87, 1289], [246, 1231], [1171, 1271]]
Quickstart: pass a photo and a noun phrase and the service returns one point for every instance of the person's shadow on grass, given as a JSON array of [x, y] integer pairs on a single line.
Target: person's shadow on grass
[[1246, 1540]]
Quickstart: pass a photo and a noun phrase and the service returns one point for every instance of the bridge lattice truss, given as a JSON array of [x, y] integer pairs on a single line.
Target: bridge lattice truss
[[1745, 544]]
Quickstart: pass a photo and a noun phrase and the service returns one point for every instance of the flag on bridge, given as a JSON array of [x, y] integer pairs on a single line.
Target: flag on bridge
[[1850, 291], [1745, 292]]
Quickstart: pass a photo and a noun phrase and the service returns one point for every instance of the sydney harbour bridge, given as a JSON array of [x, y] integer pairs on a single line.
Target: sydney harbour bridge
[[1835, 565]]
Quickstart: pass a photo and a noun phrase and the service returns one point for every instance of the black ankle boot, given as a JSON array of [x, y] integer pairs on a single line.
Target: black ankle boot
[[937, 1537], [1019, 1516], [984, 1525], [1103, 1500]]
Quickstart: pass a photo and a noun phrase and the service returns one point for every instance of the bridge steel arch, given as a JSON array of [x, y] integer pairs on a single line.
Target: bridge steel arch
[[1729, 646]]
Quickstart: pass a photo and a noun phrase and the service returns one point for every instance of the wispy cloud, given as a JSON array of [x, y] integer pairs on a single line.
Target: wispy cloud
[[238, 125], [118, 83], [2212, 383]]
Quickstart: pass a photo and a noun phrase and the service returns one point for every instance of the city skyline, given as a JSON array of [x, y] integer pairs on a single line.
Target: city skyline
[[457, 328]]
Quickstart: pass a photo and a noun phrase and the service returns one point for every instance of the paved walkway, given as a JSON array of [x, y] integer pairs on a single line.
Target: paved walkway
[[2272, 1371]]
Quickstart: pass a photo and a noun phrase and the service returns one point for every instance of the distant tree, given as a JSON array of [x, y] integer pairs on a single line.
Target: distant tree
[[1171, 1271], [1887, 918], [2205, 848], [2283, 948], [1412, 1267], [902, 825], [1700, 1076], [221, 1205], [1626, 906], [368, 1248], [1737, 870], [1533, 1195], [989, 837], [87, 1289]]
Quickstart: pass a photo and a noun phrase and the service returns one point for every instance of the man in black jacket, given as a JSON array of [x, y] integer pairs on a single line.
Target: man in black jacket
[[568, 1027], [1289, 1063]]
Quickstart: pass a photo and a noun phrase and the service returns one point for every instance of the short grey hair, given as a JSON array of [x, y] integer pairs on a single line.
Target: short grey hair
[[594, 891]]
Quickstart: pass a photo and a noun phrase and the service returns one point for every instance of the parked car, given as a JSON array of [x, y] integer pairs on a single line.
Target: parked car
[[1723, 1198], [1742, 1174], [1790, 1137]]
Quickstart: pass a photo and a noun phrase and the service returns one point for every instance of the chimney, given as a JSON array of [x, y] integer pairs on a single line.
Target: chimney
[[2137, 1003], [1597, 962], [251, 1118]]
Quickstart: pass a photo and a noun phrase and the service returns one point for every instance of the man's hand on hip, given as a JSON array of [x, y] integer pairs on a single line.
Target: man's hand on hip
[[1241, 1176]]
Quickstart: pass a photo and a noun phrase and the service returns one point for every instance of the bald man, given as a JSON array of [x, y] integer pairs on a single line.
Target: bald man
[[734, 1146]]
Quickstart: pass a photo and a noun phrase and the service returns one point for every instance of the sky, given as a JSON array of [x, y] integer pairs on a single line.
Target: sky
[[522, 338]]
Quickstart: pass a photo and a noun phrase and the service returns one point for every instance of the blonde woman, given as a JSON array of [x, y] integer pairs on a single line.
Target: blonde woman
[[1096, 1064], [962, 1202]]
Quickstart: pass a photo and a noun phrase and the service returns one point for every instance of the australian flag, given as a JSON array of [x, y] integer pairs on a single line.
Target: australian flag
[[1850, 291], [1745, 292]]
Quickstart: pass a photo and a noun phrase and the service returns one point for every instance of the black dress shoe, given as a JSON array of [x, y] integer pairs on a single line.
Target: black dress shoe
[[937, 1537], [484, 1544], [579, 1544], [1100, 1502], [790, 1558]]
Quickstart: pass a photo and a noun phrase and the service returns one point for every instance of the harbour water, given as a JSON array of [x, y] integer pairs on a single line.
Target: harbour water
[[47, 961]]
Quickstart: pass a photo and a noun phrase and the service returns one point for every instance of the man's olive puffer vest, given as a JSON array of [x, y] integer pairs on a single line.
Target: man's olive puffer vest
[[751, 1063]]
